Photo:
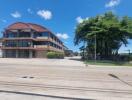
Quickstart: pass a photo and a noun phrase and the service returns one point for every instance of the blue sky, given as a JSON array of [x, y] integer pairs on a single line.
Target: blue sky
[[60, 16]]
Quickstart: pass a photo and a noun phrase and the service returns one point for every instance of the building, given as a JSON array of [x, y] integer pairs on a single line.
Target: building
[[0, 47], [68, 53], [28, 40]]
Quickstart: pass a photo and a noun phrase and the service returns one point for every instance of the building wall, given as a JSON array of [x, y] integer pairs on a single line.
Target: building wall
[[41, 54]]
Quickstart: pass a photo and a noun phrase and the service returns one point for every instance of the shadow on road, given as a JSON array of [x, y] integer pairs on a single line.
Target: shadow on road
[[116, 77], [76, 58], [43, 95]]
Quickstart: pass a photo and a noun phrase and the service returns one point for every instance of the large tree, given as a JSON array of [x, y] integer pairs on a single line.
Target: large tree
[[109, 30]]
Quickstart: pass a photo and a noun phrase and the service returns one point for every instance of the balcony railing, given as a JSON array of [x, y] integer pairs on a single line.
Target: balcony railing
[[41, 37], [17, 38], [55, 42], [17, 47], [55, 49], [40, 46]]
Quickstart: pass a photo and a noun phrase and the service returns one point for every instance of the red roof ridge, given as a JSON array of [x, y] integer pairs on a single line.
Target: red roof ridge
[[16, 23], [36, 25]]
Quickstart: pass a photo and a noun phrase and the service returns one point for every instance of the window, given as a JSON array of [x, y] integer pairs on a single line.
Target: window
[[24, 34], [10, 35], [41, 43], [11, 44], [20, 43], [24, 43], [45, 34]]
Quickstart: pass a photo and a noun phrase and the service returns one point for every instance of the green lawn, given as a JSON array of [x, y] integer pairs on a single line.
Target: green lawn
[[108, 63]]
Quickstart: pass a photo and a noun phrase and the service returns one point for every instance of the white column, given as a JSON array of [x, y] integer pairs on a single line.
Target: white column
[[30, 54], [16, 53]]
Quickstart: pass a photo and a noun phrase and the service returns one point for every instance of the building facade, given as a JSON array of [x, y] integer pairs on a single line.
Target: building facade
[[28, 40], [0, 47]]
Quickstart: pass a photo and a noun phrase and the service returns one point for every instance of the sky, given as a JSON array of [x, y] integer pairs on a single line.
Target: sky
[[60, 16]]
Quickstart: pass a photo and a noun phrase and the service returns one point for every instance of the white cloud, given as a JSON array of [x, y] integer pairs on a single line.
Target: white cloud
[[62, 35], [46, 14], [112, 3], [29, 11], [80, 19], [16, 14]]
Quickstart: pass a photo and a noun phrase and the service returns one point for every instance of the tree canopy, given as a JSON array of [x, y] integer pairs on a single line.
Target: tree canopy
[[110, 30]]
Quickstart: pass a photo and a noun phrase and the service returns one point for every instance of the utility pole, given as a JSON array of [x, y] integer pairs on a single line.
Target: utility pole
[[84, 49], [129, 51], [95, 56]]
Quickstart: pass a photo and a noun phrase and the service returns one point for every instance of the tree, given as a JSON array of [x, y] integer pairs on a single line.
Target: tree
[[110, 31]]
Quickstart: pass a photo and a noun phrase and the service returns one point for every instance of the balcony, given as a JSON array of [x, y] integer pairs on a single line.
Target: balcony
[[52, 40], [14, 48], [46, 47], [18, 38], [41, 47], [41, 37], [55, 49], [35, 47]]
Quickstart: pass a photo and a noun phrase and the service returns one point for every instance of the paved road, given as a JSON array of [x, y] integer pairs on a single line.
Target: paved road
[[43, 79]]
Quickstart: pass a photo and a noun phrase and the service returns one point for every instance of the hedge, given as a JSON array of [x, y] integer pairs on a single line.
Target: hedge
[[55, 55]]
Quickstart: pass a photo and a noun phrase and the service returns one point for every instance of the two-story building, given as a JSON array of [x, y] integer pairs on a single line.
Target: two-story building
[[0, 47], [28, 40]]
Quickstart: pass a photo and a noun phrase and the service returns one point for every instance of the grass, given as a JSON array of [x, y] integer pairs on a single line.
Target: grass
[[108, 63]]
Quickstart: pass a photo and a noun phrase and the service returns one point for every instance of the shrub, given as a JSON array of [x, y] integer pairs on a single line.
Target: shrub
[[125, 57], [53, 55]]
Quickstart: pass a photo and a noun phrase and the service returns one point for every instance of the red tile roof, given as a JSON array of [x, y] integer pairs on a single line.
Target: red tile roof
[[35, 27], [21, 25]]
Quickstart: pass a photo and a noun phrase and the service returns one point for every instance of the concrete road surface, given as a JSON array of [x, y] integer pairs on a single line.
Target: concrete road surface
[[64, 79]]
